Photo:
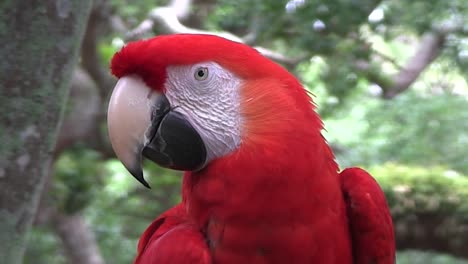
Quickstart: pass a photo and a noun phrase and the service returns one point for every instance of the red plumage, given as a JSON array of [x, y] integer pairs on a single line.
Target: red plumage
[[279, 197]]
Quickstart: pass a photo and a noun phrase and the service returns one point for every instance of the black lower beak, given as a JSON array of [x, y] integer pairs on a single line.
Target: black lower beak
[[176, 144], [173, 142]]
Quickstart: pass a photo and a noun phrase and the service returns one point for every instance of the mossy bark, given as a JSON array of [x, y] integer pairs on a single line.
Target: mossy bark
[[40, 44]]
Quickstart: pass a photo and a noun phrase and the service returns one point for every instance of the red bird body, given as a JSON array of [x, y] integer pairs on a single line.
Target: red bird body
[[279, 197]]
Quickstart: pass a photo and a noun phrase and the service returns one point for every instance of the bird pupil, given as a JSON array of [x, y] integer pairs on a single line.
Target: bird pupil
[[201, 73]]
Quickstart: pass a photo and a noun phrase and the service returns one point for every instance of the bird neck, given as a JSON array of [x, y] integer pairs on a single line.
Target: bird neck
[[264, 181]]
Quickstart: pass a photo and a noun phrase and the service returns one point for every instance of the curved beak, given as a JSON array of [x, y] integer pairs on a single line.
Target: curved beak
[[141, 122]]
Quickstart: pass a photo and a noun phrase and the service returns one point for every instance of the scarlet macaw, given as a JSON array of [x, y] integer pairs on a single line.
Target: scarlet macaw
[[261, 185]]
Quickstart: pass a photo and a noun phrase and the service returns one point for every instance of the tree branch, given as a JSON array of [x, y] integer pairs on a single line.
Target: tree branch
[[387, 58], [89, 54], [78, 239], [167, 19], [428, 50], [82, 123]]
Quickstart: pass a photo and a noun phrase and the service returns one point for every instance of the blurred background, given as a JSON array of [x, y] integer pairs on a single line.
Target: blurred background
[[390, 81]]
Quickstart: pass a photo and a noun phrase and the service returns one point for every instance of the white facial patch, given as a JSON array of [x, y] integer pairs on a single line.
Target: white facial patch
[[208, 95]]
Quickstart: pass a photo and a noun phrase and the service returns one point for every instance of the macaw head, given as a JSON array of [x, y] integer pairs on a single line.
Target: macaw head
[[184, 101]]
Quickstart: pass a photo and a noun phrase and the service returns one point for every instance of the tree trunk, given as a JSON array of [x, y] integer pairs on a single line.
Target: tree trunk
[[41, 40], [78, 240]]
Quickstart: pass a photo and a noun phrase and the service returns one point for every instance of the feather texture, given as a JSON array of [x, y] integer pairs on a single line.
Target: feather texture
[[369, 218], [172, 238], [278, 198]]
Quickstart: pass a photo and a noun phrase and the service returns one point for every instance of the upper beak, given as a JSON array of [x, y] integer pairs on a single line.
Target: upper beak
[[141, 122]]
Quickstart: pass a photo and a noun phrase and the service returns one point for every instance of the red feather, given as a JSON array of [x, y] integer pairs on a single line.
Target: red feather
[[369, 217], [276, 199], [172, 238]]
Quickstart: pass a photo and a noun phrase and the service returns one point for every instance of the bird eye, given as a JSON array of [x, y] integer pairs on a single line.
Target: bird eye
[[201, 73]]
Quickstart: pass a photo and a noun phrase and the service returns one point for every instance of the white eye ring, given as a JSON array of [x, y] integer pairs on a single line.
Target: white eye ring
[[201, 73]]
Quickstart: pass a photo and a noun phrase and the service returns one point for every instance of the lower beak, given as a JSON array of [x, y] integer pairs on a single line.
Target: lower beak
[[142, 122]]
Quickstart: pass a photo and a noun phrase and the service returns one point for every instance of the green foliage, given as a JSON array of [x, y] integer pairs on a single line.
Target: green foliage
[[429, 190], [123, 209], [344, 32], [330, 92], [135, 11], [426, 192], [106, 51], [419, 257], [77, 175], [46, 248], [423, 130], [411, 129], [326, 24], [401, 14]]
